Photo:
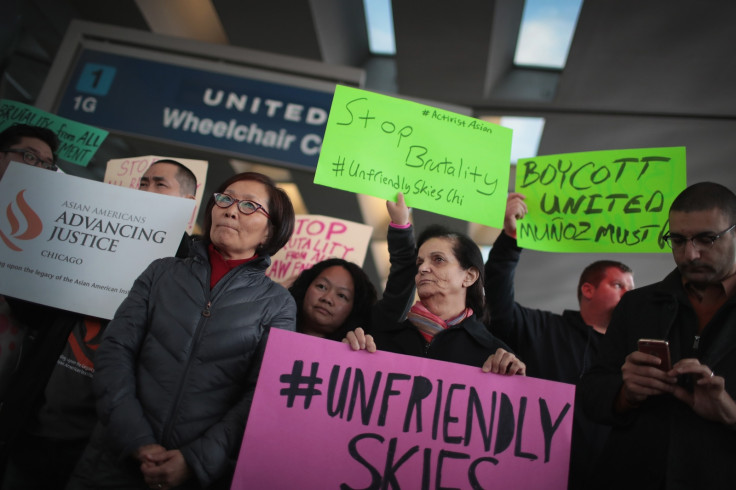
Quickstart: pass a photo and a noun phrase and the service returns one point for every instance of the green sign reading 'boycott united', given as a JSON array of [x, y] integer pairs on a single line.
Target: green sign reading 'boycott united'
[[77, 142], [599, 201], [443, 162]]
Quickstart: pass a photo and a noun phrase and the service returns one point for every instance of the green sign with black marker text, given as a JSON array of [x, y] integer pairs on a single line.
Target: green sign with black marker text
[[77, 142], [599, 201], [443, 162]]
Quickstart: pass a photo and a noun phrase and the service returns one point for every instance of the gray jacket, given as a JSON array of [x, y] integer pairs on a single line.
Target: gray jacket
[[178, 363]]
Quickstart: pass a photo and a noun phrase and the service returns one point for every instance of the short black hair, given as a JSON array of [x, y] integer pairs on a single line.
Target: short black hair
[[468, 255], [186, 178], [13, 134], [703, 196], [595, 272], [364, 297], [280, 210]]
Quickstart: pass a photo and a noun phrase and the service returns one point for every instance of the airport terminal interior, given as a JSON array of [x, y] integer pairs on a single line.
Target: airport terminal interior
[[634, 74]]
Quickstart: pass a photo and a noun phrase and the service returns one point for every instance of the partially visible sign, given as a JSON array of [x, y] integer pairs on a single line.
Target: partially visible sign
[[127, 172], [317, 238], [443, 162], [77, 142], [324, 416], [272, 121], [599, 201], [77, 244]]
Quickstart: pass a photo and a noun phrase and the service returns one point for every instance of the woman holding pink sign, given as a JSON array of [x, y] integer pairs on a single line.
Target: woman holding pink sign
[[443, 324], [177, 366], [335, 296]]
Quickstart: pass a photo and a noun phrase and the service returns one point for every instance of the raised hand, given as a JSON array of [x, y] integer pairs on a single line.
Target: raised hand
[[515, 210], [398, 211]]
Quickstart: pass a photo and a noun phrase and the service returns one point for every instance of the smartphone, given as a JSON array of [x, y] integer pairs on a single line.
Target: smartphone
[[659, 348]]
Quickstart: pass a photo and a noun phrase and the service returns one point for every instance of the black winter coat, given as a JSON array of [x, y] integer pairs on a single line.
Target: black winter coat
[[554, 347], [179, 362], [468, 342], [663, 442]]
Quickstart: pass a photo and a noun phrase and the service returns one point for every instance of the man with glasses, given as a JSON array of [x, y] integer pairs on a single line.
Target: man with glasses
[[27, 364], [674, 428], [35, 146], [47, 408], [31, 145], [48, 412]]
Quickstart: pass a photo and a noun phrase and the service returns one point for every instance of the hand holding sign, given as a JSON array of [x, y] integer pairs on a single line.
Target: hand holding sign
[[77, 244], [515, 210], [324, 416], [359, 340], [398, 211], [504, 362], [599, 201]]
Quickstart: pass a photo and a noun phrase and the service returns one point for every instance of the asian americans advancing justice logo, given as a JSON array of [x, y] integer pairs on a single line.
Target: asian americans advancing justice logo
[[34, 225]]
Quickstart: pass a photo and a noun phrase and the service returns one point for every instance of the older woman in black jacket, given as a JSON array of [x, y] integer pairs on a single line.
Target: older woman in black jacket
[[176, 369], [443, 324]]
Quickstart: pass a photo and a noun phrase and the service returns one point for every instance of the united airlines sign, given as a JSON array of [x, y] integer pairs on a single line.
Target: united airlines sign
[[268, 121]]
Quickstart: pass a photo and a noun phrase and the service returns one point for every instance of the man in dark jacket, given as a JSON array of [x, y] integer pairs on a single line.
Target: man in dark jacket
[[555, 347], [55, 345], [675, 428]]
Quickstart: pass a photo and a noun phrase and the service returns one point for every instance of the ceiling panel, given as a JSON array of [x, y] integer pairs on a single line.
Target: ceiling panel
[[657, 57]]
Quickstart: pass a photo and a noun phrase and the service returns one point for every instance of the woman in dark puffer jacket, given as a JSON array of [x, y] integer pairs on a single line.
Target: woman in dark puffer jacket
[[176, 369]]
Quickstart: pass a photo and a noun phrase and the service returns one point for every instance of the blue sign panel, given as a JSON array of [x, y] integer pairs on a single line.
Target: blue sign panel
[[276, 122], [96, 79]]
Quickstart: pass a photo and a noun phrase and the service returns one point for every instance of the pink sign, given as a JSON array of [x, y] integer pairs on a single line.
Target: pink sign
[[317, 238], [327, 417]]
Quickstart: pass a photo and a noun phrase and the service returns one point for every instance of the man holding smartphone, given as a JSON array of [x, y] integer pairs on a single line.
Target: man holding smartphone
[[674, 428]]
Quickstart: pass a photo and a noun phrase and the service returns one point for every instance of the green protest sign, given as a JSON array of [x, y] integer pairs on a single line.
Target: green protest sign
[[599, 201], [443, 162], [77, 142]]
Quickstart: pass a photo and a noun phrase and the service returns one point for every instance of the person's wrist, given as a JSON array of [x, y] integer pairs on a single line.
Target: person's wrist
[[397, 225], [623, 404]]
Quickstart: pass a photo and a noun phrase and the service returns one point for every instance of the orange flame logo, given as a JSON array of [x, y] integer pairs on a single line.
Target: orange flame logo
[[34, 225]]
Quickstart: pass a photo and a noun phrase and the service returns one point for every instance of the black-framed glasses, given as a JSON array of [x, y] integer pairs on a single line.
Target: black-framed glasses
[[699, 241], [245, 206], [32, 159]]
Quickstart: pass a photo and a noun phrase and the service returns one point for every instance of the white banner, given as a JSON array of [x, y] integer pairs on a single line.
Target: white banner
[[77, 244]]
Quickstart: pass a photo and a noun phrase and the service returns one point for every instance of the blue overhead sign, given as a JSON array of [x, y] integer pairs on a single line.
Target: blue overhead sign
[[254, 118]]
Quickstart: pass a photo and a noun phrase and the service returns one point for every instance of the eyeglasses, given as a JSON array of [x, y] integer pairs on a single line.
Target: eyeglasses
[[244, 206], [32, 159], [699, 241]]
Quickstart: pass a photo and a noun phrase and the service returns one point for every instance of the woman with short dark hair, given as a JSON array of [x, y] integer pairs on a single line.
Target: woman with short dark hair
[[177, 366], [335, 296]]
